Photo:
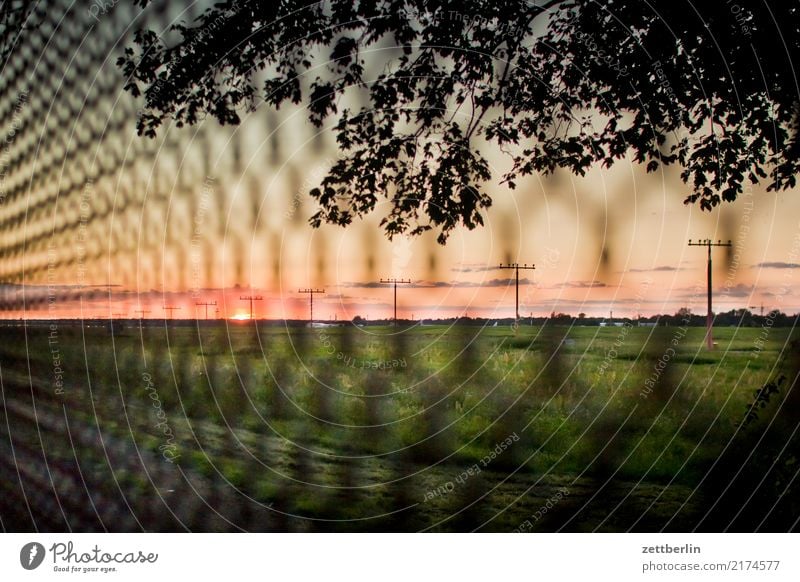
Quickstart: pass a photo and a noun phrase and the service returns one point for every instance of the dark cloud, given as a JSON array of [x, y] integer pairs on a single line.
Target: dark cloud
[[356, 307], [739, 290], [580, 303], [504, 282], [582, 285], [62, 293], [369, 285], [661, 269], [473, 268], [698, 294], [776, 265]]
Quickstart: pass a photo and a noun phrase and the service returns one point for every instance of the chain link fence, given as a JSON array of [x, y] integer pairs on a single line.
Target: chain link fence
[[129, 422]]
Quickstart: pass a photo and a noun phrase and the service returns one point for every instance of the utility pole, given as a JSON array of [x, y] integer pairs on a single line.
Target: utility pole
[[171, 310], [311, 293], [142, 313], [251, 298], [395, 282], [516, 267], [708, 243], [207, 305]]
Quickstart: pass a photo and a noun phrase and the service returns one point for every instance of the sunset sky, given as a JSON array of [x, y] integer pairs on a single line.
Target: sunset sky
[[110, 223], [561, 224]]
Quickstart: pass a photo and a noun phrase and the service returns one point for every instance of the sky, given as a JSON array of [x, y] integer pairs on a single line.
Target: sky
[[111, 224], [615, 240]]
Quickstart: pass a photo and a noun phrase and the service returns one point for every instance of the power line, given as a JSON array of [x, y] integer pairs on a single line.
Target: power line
[[251, 298], [171, 310], [710, 316], [142, 313], [311, 293], [516, 267], [207, 305], [395, 282]]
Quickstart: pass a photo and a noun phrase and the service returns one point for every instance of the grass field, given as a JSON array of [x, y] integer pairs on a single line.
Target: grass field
[[430, 428]]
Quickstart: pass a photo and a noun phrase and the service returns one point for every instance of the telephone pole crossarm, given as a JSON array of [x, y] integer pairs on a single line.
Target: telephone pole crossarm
[[311, 292], [517, 267], [206, 304], [251, 298], [394, 281], [708, 243], [170, 309]]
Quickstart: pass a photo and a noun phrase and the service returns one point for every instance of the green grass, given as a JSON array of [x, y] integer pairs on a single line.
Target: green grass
[[433, 398]]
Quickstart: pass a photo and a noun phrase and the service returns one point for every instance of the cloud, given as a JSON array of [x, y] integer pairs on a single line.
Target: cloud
[[59, 292], [370, 285], [556, 301], [582, 285], [698, 294], [661, 269], [739, 290], [776, 265], [438, 284], [473, 268], [505, 282], [355, 307]]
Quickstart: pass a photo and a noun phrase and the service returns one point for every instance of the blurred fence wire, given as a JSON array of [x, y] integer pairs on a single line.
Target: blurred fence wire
[[116, 423]]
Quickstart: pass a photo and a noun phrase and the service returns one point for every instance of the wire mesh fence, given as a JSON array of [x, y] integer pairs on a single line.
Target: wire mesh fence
[[161, 420]]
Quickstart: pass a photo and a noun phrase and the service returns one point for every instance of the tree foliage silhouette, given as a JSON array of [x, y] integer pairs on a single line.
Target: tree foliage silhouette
[[570, 84]]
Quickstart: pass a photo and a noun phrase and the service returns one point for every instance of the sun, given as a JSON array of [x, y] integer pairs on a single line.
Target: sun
[[240, 316]]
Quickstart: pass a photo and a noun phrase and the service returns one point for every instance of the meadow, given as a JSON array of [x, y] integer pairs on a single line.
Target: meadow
[[433, 428]]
